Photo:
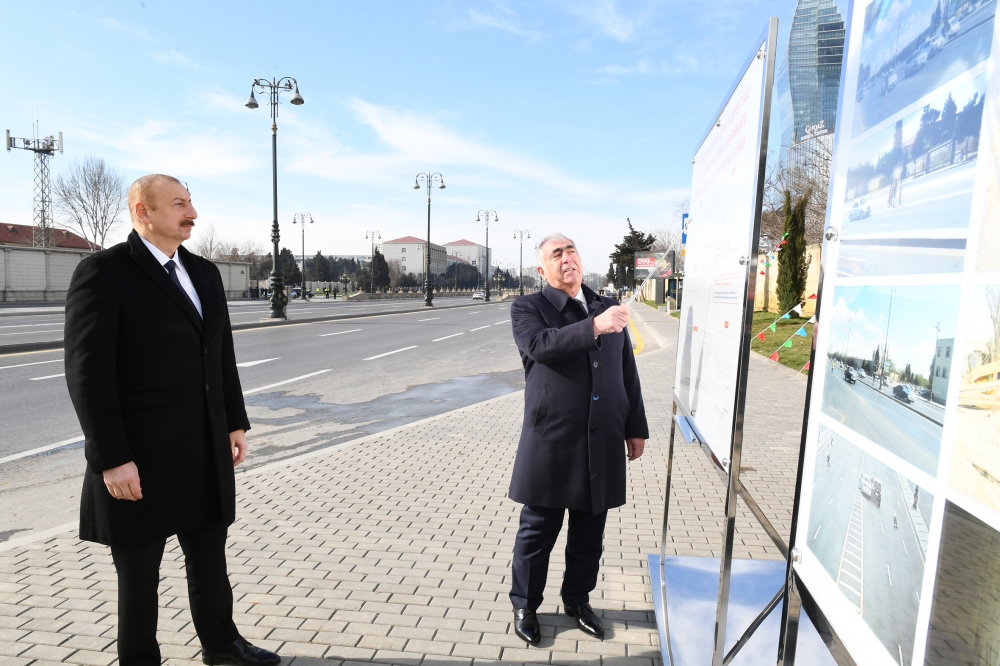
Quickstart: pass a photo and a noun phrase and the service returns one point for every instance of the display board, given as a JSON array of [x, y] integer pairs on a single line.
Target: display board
[[898, 521], [721, 239]]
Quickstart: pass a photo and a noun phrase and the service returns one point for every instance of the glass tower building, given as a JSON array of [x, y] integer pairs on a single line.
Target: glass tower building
[[808, 79]]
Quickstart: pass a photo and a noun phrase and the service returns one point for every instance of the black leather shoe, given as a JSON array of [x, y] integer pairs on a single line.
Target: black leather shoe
[[241, 653], [586, 619], [526, 626]]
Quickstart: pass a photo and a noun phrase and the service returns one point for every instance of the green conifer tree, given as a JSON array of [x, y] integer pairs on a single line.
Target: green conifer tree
[[792, 262]]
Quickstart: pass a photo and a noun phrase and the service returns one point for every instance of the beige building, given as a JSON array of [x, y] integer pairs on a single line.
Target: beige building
[[409, 252], [471, 253]]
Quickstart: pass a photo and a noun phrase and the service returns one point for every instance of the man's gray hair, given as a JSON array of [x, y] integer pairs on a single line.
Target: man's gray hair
[[540, 254]]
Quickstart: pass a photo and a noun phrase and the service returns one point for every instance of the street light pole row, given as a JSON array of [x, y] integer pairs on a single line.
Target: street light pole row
[[522, 234], [429, 179], [300, 218], [374, 235], [484, 216]]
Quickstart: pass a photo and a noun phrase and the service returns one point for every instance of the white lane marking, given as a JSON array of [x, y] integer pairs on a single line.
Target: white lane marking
[[480, 328], [501, 322], [889, 573], [353, 330], [54, 330], [394, 351], [817, 531], [287, 381], [41, 449], [476, 312], [431, 319], [24, 365], [48, 323], [453, 335], [247, 364], [35, 379]]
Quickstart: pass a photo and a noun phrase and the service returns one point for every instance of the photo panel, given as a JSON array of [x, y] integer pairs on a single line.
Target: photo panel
[[910, 48], [887, 346], [868, 526], [909, 189], [965, 615], [975, 458], [989, 234]]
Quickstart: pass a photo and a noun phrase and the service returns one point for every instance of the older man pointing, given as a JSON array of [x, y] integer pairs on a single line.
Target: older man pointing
[[583, 416]]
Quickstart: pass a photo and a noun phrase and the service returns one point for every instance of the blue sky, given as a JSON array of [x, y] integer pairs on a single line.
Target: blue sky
[[566, 116]]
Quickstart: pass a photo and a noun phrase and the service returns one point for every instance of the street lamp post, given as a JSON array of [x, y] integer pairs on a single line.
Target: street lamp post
[[273, 89], [428, 179], [522, 234], [300, 218], [374, 235], [484, 216]]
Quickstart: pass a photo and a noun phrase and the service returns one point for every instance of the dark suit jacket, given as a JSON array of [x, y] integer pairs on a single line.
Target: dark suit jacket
[[581, 401], [155, 384]]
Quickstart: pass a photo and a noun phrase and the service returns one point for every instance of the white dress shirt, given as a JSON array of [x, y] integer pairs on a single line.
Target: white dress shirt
[[583, 301], [182, 274]]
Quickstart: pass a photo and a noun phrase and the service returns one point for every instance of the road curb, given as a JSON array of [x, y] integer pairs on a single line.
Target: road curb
[[58, 344]]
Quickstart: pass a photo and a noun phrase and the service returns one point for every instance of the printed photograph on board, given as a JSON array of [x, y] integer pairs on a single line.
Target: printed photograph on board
[[909, 189], [910, 48], [868, 527], [975, 458], [889, 357], [989, 232], [965, 615]]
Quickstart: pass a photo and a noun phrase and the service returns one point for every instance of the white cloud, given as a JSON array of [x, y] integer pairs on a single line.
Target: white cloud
[[174, 58], [413, 141], [605, 16], [681, 64], [163, 147], [475, 19]]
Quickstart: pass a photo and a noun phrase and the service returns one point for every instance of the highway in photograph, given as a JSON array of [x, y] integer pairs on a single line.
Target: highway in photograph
[[970, 45], [884, 420], [871, 546]]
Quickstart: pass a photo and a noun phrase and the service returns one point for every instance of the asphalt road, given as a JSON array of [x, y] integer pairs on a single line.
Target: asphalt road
[[877, 562], [970, 46], [17, 326], [308, 386], [884, 421]]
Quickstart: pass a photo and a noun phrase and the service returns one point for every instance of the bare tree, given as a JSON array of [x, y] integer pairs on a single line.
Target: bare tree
[[210, 245], [90, 196], [395, 272], [806, 169]]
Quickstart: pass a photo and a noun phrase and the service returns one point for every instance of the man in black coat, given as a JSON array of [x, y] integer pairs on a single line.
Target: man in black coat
[[152, 374], [583, 415]]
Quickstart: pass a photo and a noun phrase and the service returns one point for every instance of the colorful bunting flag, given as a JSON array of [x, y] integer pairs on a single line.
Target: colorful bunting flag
[[813, 296], [797, 309], [772, 327], [774, 356], [786, 316], [785, 236], [760, 336], [802, 332], [768, 263], [806, 366], [788, 343], [763, 273], [812, 320]]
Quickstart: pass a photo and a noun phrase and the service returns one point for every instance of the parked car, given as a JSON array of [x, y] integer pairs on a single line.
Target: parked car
[[859, 211], [479, 296], [936, 43], [891, 81], [924, 392], [915, 63], [902, 392], [850, 376]]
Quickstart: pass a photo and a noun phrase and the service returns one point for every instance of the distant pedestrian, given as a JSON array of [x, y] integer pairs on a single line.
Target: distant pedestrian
[[583, 418]]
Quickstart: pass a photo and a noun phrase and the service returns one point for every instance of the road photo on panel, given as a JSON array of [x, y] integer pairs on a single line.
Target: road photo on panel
[[989, 230], [975, 458], [889, 356], [911, 48], [868, 528], [909, 189], [965, 615]]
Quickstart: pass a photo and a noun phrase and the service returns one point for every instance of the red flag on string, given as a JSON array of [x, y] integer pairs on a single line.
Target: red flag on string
[[806, 366], [760, 336], [774, 356], [813, 296], [763, 273]]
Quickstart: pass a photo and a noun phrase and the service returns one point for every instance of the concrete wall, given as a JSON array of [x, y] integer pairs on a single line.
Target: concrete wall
[[43, 274]]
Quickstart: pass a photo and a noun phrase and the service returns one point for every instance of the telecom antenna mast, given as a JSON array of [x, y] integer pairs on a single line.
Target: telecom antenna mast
[[43, 149]]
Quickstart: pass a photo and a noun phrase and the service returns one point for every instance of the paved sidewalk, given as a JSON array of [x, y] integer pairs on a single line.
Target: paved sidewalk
[[396, 549]]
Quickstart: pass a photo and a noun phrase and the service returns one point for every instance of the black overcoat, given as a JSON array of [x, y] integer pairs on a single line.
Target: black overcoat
[[581, 401], [153, 383]]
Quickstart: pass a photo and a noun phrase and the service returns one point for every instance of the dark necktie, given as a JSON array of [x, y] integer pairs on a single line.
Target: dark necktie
[[172, 269]]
